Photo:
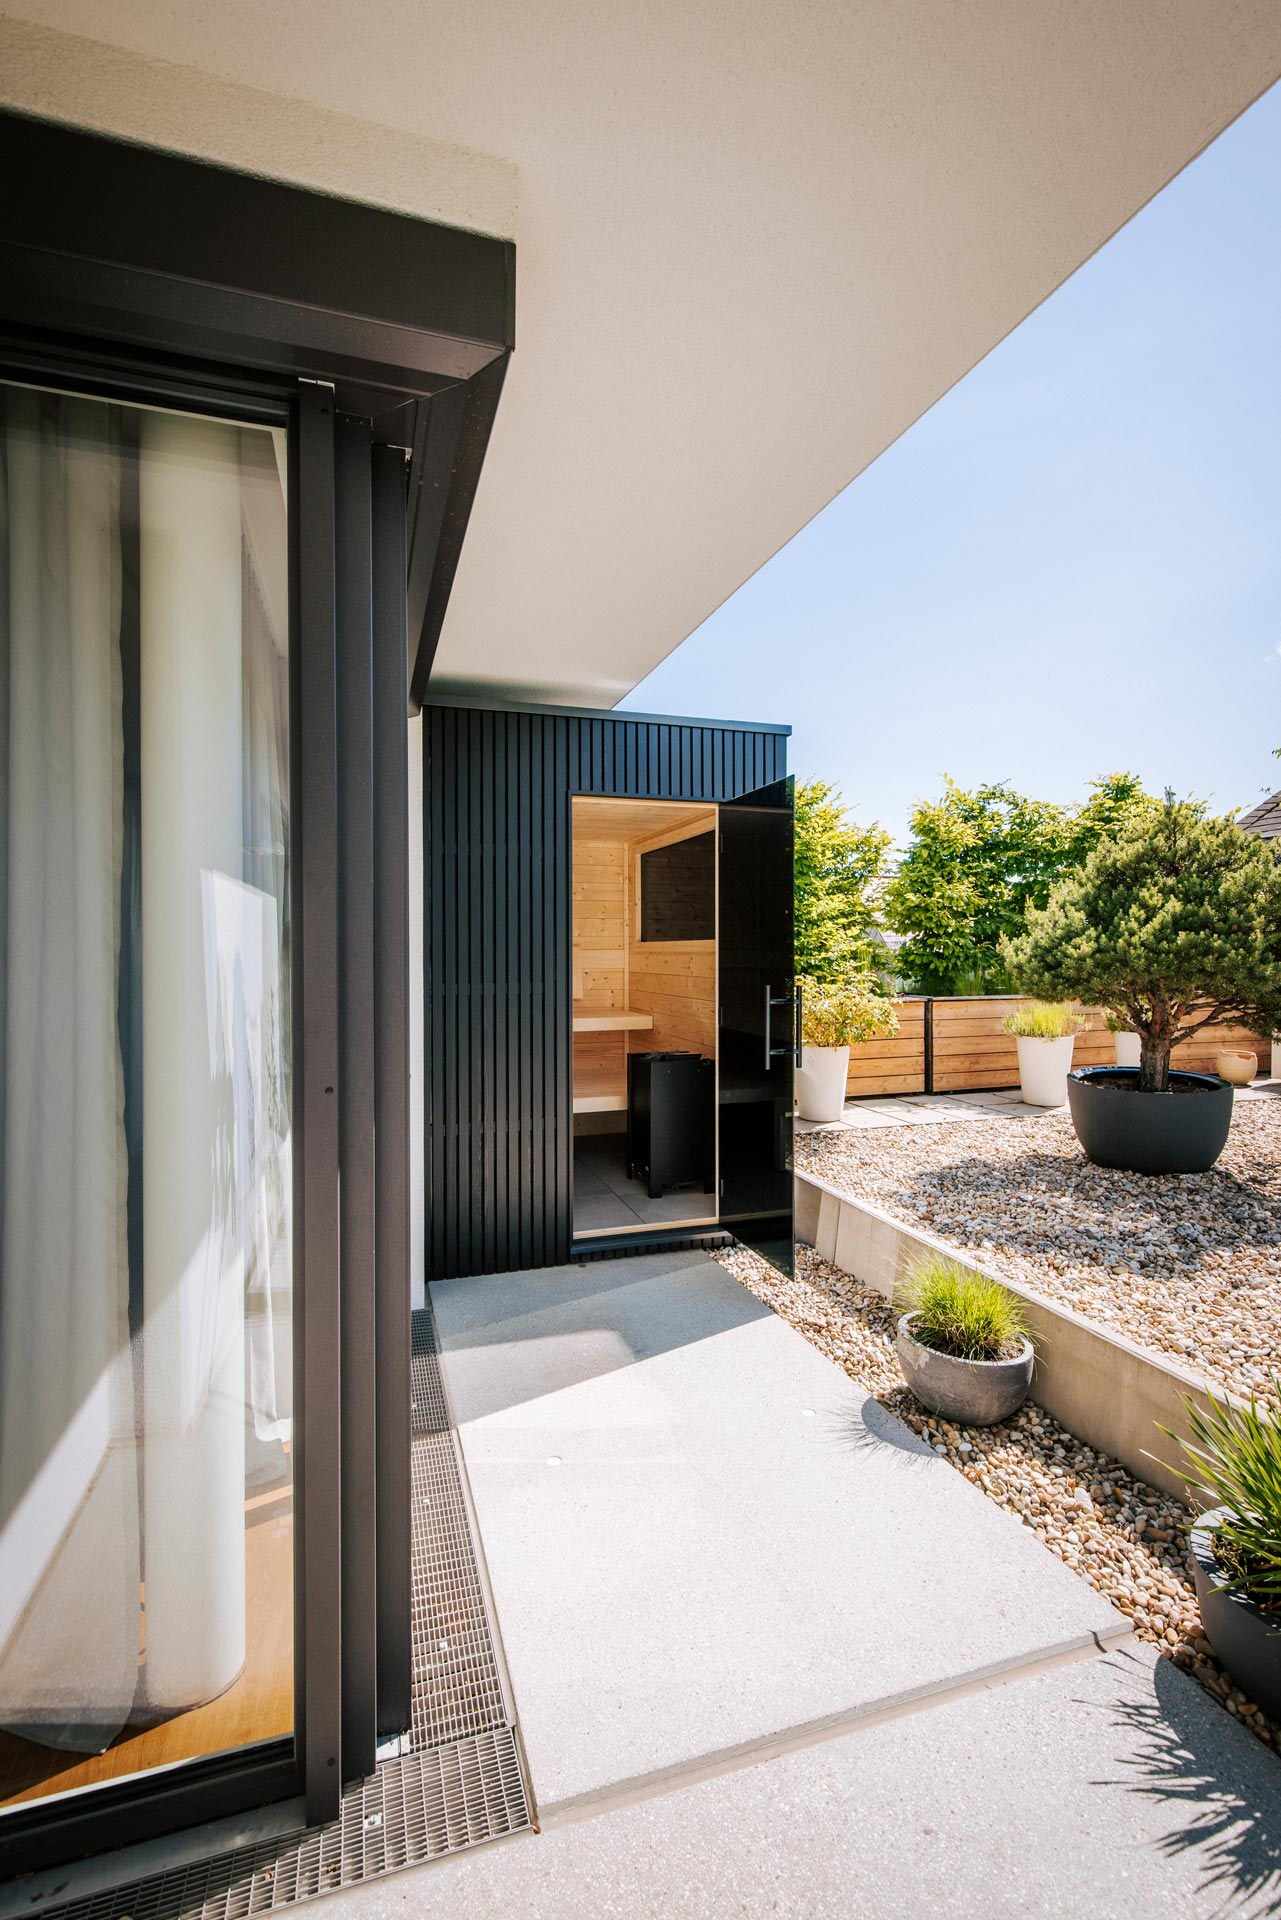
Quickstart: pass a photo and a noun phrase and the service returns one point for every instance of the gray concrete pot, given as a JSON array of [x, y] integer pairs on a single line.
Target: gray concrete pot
[[978, 1393], [1245, 1639]]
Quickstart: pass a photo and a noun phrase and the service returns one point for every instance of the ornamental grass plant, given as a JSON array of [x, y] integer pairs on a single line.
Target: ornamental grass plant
[[1044, 1020], [1235, 1459], [961, 1313]]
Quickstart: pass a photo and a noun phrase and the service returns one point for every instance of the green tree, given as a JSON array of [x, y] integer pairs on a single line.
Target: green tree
[[836, 862], [978, 859], [1177, 916]]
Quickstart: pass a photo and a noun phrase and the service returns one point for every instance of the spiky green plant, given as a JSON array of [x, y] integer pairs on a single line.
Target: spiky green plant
[[1235, 1459], [961, 1313], [1043, 1020]]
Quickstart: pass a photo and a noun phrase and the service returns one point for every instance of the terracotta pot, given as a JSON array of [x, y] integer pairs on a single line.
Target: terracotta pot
[[1237, 1068]]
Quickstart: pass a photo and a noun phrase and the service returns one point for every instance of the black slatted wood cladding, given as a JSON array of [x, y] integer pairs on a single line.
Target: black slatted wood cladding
[[497, 785]]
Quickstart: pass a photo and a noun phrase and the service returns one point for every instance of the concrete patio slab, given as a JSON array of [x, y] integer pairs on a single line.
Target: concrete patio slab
[[703, 1537], [1114, 1788]]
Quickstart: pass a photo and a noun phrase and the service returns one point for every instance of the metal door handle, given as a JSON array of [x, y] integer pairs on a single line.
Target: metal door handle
[[772, 1000], [798, 1019]]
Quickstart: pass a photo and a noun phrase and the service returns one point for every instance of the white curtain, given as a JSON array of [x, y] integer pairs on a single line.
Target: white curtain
[[69, 1508], [144, 831]]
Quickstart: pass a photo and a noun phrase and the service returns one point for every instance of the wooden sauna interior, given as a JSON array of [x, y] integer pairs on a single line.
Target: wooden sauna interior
[[631, 993]]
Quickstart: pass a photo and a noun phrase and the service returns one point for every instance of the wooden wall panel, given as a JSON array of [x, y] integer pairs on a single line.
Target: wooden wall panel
[[497, 951], [891, 1066], [972, 1051]]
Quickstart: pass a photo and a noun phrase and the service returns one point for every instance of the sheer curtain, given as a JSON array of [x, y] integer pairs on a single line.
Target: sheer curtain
[[69, 1509], [144, 1026]]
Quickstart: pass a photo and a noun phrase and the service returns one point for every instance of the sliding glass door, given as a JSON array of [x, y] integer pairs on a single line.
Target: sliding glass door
[[146, 1415]]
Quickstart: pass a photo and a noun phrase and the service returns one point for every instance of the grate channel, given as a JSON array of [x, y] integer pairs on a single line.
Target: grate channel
[[457, 1687], [463, 1781]]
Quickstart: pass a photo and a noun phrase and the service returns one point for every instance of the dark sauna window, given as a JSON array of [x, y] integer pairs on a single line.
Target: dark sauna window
[[678, 890]]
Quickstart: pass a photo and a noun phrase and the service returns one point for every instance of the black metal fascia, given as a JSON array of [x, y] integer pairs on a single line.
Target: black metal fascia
[[160, 250]]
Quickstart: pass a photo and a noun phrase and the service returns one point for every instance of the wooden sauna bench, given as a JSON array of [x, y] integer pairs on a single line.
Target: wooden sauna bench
[[601, 1087]]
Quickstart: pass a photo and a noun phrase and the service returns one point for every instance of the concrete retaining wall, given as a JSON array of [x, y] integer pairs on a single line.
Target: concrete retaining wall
[[1106, 1390]]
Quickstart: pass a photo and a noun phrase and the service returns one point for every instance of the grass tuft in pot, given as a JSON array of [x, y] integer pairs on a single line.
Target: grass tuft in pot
[[961, 1313], [1043, 1020], [1235, 1459]]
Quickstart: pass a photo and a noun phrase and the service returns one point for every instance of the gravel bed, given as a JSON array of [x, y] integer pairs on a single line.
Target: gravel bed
[[1189, 1265], [1125, 1538]]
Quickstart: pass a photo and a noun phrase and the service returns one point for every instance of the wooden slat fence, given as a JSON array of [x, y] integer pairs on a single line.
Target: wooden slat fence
[[964, 1042]]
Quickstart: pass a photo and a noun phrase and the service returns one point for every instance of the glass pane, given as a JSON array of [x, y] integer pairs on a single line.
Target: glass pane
[[146, 1507], [757, 1011]]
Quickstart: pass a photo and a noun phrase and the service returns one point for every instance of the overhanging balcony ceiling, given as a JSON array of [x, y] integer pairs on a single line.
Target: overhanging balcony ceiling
[[754, 243]]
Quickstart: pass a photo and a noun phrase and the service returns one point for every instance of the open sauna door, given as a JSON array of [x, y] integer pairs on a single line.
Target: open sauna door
[[756, 1012]]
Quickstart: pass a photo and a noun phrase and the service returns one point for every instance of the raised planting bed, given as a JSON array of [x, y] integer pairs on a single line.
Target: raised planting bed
[[1126, 1538], [1188, 1266]]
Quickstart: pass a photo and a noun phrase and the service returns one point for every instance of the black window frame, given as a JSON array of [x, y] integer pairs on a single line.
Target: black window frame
[[146, 277]]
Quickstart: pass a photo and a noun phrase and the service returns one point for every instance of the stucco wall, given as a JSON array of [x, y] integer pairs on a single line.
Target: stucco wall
[[62, 76]]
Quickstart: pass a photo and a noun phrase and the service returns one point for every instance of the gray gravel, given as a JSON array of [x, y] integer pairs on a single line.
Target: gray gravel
[[1127, 1539], [1189, 1265]]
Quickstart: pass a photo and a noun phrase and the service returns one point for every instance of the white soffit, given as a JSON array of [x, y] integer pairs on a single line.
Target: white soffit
[[754, 242]]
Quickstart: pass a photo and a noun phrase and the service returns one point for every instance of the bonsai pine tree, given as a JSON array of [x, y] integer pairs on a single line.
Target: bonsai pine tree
[[1175, 923]]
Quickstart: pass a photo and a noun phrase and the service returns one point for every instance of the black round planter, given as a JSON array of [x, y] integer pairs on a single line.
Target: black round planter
[[1149, 1132], [1247, 1642]]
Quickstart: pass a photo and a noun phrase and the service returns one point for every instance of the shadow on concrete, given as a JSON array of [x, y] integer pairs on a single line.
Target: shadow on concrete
[[515, 1337], [1182, 1751]]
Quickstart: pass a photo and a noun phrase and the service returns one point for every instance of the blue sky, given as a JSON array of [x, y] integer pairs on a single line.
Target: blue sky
[[1072, 563]]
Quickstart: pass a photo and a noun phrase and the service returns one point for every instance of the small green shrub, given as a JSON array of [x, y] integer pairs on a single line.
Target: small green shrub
[[1043, 1020], [841, 1015], [1119, 1022], [1235, 1458], [962, 1313]]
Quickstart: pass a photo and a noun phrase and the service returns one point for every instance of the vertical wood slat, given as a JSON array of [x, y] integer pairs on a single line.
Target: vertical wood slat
[[497, 959]]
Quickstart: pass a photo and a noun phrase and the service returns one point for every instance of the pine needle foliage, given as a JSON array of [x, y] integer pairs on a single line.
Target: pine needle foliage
[[961, 1313], [1175, 923]]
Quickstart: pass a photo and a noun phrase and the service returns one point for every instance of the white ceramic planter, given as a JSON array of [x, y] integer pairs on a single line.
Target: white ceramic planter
[[820, 1083], [1276, 1059], [1128, 1049], [1044, 1066]]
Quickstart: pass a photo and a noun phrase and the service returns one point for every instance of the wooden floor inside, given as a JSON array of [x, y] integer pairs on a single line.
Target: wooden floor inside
[[259, 1706]]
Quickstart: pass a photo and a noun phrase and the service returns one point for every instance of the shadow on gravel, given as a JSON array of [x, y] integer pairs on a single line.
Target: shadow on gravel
[[1038, 1202]]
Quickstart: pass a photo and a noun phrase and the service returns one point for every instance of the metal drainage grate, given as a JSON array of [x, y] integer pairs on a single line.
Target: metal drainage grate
[[414, 1809], [457, 1686], [463, 1782]]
